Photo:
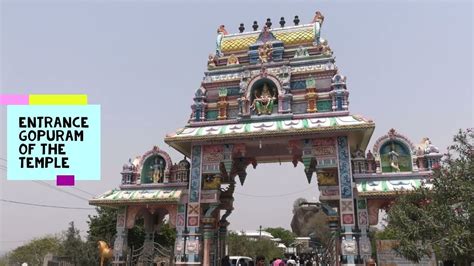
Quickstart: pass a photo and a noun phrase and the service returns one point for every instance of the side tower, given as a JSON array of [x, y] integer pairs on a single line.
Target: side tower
[[272, 94], [152, 188], [395, 166]]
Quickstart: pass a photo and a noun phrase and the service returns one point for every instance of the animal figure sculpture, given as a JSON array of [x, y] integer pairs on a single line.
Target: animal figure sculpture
[[104, 251], [306, 218]]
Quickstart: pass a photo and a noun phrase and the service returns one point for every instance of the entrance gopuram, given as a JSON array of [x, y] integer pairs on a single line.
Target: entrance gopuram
[[274, 95]]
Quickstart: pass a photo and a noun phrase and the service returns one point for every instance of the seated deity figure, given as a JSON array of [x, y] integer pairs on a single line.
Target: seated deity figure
[[263, 104]]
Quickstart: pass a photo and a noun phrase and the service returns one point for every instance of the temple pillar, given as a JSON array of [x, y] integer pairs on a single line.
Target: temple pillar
[[209, 231], [349, 250], [222, 238], [179, 245], [193, 232], [120, 244], [208, 239], [365, 249]]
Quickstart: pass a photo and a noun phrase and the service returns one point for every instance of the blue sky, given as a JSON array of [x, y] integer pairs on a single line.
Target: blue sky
[[408, 66]]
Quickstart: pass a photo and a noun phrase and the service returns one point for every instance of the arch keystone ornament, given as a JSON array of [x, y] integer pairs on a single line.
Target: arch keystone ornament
[[283, 100]]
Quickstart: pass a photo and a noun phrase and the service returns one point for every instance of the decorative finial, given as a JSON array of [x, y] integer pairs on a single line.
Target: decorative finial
[[296, 20], [255, 26], [282, 22], [269, 23], [241, 27]]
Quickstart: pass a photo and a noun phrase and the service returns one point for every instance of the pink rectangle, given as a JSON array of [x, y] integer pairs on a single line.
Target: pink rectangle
[[14, 99], [65, 180]]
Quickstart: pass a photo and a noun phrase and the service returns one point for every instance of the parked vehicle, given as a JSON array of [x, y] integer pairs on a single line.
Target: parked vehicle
[[240, 260]]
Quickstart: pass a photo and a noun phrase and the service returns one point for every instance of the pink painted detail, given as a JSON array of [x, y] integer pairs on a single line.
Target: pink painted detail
[[347, 219], [14, 99]]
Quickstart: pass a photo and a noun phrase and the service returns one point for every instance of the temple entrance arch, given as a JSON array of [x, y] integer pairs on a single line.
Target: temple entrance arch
[[276, 98], [312, 128]]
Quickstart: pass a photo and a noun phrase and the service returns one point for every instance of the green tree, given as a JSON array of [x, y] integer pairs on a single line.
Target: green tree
[[72, 244], [166, 236], [4, 259], [102, 225], [77, 251], [34, 251], [240, 245], [287, 237], [324, 238], [441, 218]]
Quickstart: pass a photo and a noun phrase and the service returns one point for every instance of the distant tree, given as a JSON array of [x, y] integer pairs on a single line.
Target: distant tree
[[72, 244], [287, 237], [240, 245], [440, 219], [34, 251], [4, 259], [77, 251]]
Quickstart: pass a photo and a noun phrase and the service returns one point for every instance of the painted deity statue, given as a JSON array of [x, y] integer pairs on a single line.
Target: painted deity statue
[[232, 60], [393, 155], [242, 100], [211, 61], [301, 52], [221, 31], [265, 52], [157, 171], [318, 23], [263, 104]]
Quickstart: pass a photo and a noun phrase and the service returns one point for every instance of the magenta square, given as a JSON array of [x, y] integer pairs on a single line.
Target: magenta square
[[65, 180]]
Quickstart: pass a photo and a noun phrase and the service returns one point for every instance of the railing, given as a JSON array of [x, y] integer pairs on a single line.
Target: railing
[[150, 255]]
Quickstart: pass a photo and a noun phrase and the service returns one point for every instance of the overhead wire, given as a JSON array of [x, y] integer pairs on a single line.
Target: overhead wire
[[60, 190], [45, 205], [76, 188], [274, 196], [83, 191]]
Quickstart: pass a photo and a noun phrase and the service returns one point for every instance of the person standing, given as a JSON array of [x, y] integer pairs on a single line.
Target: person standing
[[260, 261]]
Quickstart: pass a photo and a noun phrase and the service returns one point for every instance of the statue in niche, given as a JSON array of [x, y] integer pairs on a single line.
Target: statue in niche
[[242, 100], [264, 100], [301, 52], [157, 170], [232, 60], [393, 155], [265, 52]]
